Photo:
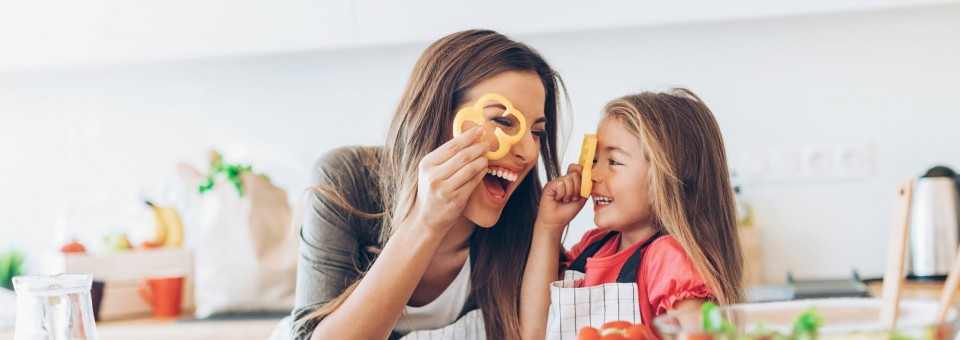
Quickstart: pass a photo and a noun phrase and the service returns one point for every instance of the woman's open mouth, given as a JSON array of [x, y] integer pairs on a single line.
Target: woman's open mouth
[[497, 181]]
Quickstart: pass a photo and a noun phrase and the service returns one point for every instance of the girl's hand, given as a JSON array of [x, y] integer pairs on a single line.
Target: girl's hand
[[447, 178], [561, 201]]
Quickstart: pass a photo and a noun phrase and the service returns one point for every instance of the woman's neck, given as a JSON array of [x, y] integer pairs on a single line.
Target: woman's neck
[[639, 233], [458, 238]]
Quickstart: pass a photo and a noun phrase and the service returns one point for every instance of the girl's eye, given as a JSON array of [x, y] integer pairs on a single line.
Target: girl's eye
[[594, 161], [503, 121], [613, 162]]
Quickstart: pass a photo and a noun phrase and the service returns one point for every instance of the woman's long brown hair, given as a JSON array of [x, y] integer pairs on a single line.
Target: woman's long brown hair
[[689, 182], [423, 121]]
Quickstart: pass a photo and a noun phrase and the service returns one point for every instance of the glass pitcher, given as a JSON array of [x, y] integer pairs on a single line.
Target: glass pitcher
[[54, 307]]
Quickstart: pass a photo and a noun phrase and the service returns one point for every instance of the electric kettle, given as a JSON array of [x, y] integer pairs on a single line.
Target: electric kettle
[[934, 225]]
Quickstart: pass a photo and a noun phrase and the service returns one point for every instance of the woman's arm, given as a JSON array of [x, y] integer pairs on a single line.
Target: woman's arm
[[559, 204], [448, 176]]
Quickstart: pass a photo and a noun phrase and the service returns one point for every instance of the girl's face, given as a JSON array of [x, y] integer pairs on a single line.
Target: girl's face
[[620, 188], [526, 93]]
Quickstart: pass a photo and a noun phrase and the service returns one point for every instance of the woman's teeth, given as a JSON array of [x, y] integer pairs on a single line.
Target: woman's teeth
[[503, 173], [600, 200]]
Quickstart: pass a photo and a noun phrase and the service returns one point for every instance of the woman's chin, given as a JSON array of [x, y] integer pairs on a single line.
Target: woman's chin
[[483, 217]]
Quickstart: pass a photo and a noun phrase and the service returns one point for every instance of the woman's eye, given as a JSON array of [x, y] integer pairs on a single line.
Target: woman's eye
[[537, 133], [503, 121]]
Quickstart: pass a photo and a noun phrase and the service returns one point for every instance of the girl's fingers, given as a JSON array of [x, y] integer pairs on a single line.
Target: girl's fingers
[[575, 168], [452, 147], [561, 190], [568, 183]]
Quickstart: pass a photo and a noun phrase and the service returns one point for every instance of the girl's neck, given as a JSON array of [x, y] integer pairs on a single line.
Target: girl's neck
[[630, 237], [458, 238]]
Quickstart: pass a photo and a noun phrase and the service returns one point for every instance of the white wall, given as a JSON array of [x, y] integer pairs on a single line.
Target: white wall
[[77, 144], [58, 33]]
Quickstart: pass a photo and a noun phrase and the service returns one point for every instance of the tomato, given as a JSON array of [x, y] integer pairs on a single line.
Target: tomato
[[616, 324], [639, 332], [616, 330], [589, 333], [73, 247]]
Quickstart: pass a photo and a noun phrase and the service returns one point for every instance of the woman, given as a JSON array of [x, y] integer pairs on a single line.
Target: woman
[[395, 236]]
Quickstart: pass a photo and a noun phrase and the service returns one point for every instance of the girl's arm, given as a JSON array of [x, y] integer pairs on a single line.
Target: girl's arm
[[559, 204], [447, 177], [542, 269]]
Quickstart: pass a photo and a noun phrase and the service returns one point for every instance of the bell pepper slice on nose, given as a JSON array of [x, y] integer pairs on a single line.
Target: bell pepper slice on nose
[[475, 114], [587, 152]]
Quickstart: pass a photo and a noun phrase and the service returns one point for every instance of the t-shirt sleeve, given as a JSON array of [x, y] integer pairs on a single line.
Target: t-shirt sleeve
[[588, 238], [332, 238], [670, 276]]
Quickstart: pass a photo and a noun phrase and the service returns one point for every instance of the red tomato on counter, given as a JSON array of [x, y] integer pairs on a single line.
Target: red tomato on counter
[[616, 330]]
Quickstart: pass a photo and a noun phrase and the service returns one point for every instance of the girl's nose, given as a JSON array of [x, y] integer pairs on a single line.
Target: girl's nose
[[597, 173]]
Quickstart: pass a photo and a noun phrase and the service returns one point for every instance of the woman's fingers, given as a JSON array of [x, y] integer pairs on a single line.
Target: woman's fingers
[[463, 193], [452, 147], [469, 173]]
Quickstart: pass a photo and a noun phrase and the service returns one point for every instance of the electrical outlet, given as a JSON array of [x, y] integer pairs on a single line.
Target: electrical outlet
[[805, 163]]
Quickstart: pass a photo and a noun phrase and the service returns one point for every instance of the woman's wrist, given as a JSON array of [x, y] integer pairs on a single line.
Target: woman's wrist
[[422, 227]]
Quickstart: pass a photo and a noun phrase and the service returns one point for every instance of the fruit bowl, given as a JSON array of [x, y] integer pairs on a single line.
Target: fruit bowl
[[851, 318]]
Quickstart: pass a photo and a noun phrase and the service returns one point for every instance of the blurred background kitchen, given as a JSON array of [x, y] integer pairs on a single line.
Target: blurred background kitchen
[[823, 104]]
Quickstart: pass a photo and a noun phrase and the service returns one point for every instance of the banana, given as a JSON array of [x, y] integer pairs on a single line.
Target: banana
[[169, 228]]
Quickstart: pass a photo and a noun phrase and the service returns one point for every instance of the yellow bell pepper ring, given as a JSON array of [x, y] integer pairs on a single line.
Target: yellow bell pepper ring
[[475, 114], [587, 152]]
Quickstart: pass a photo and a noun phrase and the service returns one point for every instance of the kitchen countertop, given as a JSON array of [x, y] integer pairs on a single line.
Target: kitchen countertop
[[168, 329]]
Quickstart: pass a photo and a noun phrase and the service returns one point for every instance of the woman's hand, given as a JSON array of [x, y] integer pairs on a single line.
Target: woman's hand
[[561, 201], [448, 176]]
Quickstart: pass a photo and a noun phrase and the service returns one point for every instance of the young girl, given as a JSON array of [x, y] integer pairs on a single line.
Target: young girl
[[425, 236], [666, 236]]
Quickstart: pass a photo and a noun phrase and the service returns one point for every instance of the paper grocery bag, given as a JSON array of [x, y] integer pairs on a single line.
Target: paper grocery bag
[[246, 254]]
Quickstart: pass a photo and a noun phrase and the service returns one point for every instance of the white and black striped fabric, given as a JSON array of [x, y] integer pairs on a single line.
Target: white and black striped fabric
[[573, 306], [469, 327]]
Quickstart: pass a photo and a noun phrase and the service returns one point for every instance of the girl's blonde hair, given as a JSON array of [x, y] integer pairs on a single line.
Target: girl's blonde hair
[[423, 121], [690, 190]]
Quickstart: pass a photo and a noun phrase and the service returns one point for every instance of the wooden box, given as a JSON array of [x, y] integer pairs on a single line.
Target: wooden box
[[122, 272]]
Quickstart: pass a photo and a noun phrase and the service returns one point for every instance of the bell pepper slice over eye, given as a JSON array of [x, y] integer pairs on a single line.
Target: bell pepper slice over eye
[[474, 114], [587, 152]]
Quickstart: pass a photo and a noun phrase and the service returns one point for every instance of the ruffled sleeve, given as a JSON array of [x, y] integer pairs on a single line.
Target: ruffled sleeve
[[670, 276]]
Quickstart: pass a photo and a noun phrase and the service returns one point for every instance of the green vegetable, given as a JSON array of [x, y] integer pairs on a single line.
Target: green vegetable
[[713, 320], [11, 264], [231, 171], [806, 326]]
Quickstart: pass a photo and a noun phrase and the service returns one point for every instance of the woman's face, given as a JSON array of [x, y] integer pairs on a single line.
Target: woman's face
[[526, 93], [620, 191]]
